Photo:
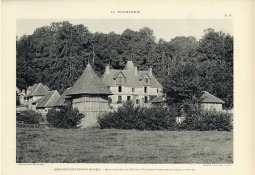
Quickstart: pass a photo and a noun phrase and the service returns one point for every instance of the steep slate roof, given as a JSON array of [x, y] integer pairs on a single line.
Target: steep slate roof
[[38, 90], [89, 83], [129, 66], [61, 100], [131, 79], [209, 98], [49, 99], [158, 99]]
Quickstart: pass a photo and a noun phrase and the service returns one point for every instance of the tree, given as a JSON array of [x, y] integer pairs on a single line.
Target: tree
[[66, 118], [215, 56], [56, 56], [182, 87]]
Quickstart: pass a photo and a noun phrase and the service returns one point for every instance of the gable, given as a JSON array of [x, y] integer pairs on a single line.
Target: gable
[[120, 78], [61, 100], [48, 100], [38, 90]]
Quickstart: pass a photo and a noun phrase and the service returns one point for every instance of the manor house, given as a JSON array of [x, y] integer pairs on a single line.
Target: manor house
[[131, 84]]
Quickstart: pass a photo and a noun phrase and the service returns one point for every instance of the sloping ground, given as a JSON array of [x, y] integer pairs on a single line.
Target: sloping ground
[[122, 146]]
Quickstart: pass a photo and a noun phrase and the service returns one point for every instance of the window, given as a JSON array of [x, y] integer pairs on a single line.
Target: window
[[145, 99], [157, 90], [145, 89], [146, 80], [119, 99], [133, 89], [128, 97], [119, 89], [137, 101], [120, 80]]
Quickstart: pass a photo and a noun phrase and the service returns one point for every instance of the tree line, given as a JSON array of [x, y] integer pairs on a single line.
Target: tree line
[[56, 55]]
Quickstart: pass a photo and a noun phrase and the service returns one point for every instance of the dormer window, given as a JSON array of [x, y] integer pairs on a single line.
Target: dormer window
[[120, 79], [145, 79]]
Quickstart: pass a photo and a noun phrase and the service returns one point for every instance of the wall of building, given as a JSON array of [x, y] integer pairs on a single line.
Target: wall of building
[[91, 106], [138, 94], [211, 106], [31, 100]]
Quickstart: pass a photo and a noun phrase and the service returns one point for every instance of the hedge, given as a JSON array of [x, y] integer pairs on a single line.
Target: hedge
[[130, 116]]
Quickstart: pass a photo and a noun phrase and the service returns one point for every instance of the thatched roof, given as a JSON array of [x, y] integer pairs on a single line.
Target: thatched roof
[[89, 83], [132, 80], [209, 98], [38, 90], [48, 100], [61, 100]]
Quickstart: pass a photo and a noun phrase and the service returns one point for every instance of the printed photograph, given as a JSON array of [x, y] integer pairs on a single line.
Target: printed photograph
[[124, 91]]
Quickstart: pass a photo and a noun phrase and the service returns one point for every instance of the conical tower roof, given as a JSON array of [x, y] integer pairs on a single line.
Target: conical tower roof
[[89, 83]]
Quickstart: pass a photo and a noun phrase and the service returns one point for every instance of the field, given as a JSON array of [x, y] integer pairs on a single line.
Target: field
[[36, 145]]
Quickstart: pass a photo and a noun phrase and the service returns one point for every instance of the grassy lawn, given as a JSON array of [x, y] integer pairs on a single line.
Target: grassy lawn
[[122, 146]]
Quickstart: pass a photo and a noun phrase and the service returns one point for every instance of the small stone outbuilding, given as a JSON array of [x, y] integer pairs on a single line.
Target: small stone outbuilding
[[210, 102]]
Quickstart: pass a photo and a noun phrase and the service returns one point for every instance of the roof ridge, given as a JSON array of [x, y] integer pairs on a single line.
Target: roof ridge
[[35, 89], [50, 97]]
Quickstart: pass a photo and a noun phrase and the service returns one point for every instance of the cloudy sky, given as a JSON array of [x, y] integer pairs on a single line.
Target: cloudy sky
[[163, 28]]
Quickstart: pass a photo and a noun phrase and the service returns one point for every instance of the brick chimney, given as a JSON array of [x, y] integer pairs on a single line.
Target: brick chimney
[[135, 70], [107, 69], [150, 71]]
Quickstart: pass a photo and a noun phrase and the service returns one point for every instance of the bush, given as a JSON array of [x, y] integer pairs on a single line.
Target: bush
[[66, 117], [158, 118], [130, 116], [207, 121], [30, 117]]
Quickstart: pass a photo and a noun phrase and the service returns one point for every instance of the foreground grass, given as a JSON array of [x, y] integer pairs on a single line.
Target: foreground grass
[[35, 145]]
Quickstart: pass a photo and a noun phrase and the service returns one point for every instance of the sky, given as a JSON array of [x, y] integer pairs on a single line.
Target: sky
[[166, 29]]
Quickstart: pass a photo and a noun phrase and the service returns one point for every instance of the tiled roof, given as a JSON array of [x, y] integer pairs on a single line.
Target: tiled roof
[[132, 80], [38, 90], [38, 101], [48, 100], [47, 87], [61, 100], [29, 88], [209, 98], [158, 99], [89, 83]]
